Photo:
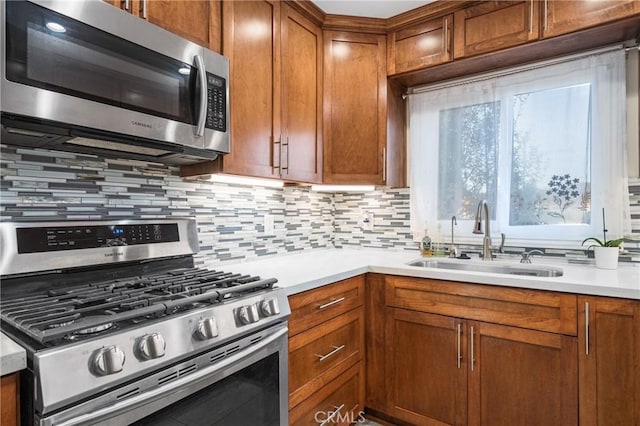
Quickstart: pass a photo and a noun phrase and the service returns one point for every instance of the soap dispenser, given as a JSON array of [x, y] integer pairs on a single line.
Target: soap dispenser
[[426, 249]]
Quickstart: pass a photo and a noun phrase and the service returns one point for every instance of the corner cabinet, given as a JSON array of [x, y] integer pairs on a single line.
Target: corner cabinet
[[195, 20], [275, 57], [609, 361], [357, 113]]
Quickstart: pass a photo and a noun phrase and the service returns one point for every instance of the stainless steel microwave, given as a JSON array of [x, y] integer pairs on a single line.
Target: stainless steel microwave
[[84, 76]]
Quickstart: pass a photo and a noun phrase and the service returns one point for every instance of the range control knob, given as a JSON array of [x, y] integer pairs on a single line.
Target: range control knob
[[108, 360], [151, 346], [248, 314], [269, 307], [207, 328]]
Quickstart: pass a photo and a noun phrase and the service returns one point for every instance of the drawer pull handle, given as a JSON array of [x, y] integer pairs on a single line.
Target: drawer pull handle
[[330, 417], [335, 350], [333, 302]]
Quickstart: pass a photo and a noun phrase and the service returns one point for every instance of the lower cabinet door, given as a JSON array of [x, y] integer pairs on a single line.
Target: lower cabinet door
[[521, 377], [338, 403], [609, 361], [427, 372]]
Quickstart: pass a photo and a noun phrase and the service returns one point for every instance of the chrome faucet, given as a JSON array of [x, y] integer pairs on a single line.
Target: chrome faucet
[[477, 229], [453, 251]]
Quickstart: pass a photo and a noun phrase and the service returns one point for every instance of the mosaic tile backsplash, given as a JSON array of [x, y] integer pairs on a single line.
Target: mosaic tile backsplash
[[50, 185]]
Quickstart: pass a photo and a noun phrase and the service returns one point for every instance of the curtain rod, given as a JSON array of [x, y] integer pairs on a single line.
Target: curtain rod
[[514, 70]]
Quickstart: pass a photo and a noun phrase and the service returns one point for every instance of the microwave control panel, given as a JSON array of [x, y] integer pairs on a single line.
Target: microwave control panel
[[216, 103]]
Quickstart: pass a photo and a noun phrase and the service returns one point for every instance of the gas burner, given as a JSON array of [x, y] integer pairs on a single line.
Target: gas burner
[[95, 329]]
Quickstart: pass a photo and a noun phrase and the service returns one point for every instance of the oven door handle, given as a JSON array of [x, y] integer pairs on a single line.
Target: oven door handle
[[137, 401]]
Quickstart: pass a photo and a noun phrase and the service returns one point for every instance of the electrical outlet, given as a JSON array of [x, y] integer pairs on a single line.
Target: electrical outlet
[[269, 225], [366, 221]]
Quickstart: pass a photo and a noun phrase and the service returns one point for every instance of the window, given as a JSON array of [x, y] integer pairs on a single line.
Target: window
[[545, 147]]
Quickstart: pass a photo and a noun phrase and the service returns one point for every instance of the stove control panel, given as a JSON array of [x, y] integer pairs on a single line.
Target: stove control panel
[[207, 329], [151, 346], [108, 360]]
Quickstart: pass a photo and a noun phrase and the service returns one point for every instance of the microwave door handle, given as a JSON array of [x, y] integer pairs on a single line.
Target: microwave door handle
[[202, 75]]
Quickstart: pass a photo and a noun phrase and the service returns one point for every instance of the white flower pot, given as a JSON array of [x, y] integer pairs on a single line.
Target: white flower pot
[[606, 257]]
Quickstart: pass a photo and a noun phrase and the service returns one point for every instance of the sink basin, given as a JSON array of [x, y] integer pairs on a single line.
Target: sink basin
[[531, 271]]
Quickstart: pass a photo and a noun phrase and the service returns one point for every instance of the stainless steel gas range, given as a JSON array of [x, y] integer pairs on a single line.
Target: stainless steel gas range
[[121, 328]]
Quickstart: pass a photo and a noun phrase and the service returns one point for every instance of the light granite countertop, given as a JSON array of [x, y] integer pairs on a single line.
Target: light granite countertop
[[310, 269], [12, 356]]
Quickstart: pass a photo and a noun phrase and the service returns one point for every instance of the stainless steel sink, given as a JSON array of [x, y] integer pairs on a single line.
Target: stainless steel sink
[[531, 271]]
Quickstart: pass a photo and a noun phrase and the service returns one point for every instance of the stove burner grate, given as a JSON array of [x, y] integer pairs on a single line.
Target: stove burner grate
[[99, 306]]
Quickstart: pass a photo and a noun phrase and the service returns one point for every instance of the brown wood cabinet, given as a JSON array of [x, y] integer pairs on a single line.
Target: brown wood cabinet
[[494, 25], [338, 403], [420, 45], [519, 376], [565, 16], [9, 400], [460, 353], [427, 382], [276, 84], [251, 42], [609, 344], [326, 353], [301, 142], [195, 20], [356, 114]]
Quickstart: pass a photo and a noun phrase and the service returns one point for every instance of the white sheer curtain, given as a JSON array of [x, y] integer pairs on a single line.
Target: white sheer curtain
[[589, 92]]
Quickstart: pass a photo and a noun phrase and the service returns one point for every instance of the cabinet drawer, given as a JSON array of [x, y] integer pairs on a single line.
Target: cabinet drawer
[[316, 306], [338, 403], [533, 309], [322, 353]]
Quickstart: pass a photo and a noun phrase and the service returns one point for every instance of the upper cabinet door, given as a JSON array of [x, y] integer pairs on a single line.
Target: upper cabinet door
[[188, 19], [301, 48], [252, 44], [421, 45], [494, 25], [195, 20], [355, 98], [564, 16]]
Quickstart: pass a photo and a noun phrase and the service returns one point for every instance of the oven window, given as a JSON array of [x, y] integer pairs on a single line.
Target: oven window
[[248, 397], [54, 52]]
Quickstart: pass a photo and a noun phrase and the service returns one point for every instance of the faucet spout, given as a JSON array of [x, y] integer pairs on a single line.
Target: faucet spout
[[453, 252], [477, 228]]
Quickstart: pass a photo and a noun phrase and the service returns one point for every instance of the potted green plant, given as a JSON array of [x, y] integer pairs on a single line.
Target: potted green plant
[[605, 251]]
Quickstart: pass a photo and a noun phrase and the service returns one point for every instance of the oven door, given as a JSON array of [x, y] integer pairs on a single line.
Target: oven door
[[247, 387]]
